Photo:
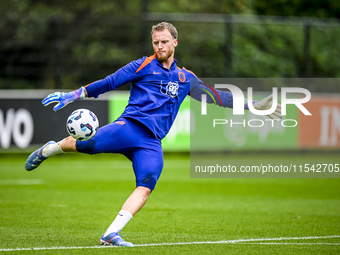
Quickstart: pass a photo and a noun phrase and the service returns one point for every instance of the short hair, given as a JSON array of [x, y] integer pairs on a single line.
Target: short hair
[[165, 25]]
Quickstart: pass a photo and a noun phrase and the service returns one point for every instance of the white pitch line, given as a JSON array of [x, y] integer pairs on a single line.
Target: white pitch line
[[238, 241], [22, 182], [334, 244]]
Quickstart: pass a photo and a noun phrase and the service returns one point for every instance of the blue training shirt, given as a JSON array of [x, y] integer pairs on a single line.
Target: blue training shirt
[[156, 92]]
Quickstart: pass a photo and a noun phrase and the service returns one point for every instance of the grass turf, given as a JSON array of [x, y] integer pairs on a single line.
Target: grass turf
[[71, 199]]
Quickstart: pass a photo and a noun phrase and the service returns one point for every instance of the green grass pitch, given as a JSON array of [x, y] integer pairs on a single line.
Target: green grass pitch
[[70, 200]]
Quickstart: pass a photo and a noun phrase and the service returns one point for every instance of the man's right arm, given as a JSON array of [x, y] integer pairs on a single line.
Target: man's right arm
[[122, 76]]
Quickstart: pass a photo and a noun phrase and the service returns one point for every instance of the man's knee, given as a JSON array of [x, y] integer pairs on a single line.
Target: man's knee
[[87, 147], [148, 182], [145, 191], [148, 165]]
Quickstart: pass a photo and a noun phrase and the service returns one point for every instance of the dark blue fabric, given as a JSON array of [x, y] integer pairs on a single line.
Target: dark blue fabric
[[136, 142]]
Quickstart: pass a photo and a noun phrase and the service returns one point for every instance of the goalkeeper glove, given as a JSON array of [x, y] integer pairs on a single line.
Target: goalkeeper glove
[[63, 99], [265, 104]]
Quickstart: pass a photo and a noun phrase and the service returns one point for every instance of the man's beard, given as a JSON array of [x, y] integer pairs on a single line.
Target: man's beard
[[164, 57]]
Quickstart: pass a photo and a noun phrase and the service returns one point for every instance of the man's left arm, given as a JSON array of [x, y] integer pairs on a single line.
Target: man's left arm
[[225, 99]]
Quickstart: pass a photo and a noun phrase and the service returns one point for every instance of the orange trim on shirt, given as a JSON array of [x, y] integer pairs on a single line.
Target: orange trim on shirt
[[89, 84], [146, 62], [190, 72]]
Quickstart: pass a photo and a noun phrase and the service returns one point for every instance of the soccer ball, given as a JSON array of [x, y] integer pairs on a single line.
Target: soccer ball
[[82, 124]]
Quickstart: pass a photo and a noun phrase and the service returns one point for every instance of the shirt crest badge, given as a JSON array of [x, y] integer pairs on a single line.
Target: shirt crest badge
[[170, 89], [181, 76]]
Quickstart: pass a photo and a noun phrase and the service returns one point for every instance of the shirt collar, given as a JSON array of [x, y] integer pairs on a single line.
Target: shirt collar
[[173, 65]]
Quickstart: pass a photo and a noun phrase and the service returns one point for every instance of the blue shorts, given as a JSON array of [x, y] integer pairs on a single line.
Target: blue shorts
[[132, 139]]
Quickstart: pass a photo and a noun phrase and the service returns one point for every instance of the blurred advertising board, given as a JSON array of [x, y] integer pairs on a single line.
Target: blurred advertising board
[[25, 122], [322, 129], [311, 120], [246, 132]]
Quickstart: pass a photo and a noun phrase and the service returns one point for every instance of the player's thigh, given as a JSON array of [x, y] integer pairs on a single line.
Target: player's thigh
[[148, 166], [115, 137]]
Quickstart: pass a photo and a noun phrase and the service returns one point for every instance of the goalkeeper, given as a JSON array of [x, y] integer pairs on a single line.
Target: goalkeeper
[[158, 87]]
